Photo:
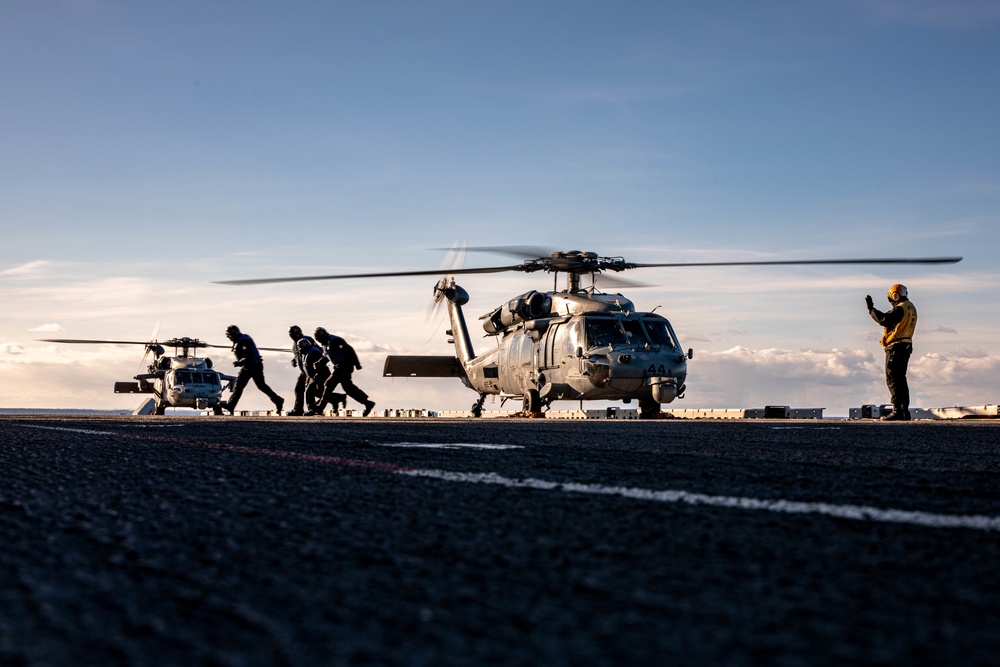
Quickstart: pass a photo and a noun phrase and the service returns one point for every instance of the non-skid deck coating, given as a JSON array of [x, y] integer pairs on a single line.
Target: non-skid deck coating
[[282, 541]]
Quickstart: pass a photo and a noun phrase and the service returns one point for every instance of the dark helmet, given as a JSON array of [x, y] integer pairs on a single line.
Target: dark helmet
[[232, 332], [321, 334], [303, 345], [295, 332]]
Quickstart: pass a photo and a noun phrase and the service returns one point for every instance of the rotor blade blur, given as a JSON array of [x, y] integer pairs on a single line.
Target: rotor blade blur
[[518, 251], [608, 280], [453, 260], [389, 274], [793, 262]]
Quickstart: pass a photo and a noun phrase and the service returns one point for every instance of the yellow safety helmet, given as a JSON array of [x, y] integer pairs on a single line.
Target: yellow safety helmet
[[897, 293]]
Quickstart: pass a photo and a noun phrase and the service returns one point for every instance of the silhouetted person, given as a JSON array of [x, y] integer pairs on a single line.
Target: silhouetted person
[[295, 333], [315, 365], [251, 366], [344, 360], [899, 324]]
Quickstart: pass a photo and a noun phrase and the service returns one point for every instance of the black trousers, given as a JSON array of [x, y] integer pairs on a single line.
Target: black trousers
[[253, 372], [315, 389], [300, 392], [342, 376], [897, 358]]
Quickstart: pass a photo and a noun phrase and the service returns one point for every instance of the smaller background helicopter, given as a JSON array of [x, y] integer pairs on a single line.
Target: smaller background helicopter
[[183, 380]]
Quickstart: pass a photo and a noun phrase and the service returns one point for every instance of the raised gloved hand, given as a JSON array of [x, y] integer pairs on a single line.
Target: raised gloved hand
[[870, 303]]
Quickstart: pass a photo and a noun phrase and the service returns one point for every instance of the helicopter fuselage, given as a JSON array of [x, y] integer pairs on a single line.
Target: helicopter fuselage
[[568, 346], [180, 382]]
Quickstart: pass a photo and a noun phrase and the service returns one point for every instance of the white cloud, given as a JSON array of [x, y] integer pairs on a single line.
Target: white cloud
[[26, 269], [836, 379], [47, 328]]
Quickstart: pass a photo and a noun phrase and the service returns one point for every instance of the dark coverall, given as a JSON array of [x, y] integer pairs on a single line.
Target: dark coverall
[[897, 340], [251, 366], [315, 365], [303, 379], [344, 360]]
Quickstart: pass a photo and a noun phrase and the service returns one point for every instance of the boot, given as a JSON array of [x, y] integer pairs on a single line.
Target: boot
[[897, 415]]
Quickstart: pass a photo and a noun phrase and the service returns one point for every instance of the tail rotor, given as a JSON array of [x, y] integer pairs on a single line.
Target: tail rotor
[[454, 260], [150, 346]]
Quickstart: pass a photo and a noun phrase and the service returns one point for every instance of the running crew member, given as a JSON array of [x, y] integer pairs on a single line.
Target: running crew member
[[251, 366]]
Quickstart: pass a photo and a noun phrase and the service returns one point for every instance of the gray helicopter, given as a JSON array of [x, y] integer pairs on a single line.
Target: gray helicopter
[[576, 343], [183, 380]]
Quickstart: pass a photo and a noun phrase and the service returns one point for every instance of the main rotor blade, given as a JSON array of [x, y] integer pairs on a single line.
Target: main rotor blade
[[137, 342], [788, 262], [104, 342], [262, 349], [388, 274]]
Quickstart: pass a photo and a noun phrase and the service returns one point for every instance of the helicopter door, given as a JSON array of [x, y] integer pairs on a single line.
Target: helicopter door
[[550, 351]]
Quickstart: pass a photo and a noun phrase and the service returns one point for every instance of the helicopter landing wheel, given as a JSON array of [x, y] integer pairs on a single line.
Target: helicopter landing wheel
[[532, 401], [477, 407], [648, 408], [160, 409]]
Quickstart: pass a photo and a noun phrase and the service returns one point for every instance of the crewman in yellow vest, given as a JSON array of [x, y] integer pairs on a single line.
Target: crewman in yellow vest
[[897, 340]]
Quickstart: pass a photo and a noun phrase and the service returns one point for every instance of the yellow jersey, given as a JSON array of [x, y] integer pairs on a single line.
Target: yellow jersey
[[902, 331]]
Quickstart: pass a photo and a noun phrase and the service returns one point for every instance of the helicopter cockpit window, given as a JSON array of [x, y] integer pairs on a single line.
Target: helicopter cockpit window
[[660, 333], [604, 331], [182, 377], [212, 379], [196, 378], [633, 332]]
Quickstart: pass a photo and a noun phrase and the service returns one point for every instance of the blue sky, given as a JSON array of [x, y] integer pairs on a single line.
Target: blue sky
[[151, 149]]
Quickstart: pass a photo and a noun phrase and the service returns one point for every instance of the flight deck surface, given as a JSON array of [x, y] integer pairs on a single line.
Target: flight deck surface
[[241, 541]]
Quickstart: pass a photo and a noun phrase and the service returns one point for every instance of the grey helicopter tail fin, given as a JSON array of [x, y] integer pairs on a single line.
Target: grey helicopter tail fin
[[439, 365], [422, 366]]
